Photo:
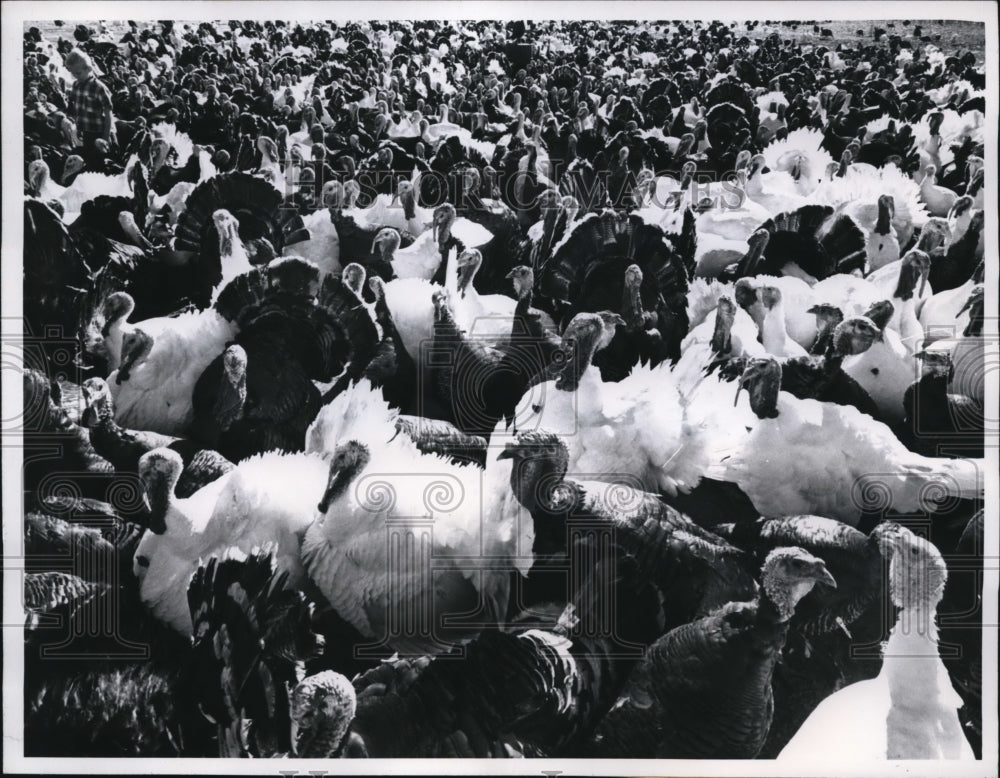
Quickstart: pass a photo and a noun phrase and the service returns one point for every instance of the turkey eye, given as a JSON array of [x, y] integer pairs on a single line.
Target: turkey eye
[[143, 561]]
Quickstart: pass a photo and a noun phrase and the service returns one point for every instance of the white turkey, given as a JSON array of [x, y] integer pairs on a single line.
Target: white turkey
[[910, 710], [806, 456]]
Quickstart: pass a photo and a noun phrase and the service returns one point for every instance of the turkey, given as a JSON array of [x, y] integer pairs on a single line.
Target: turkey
[[811, 243], [704, 688], [345, 553], [938, 420], [637, 426], [878, 361], [800, 154], [123, 447], [288, 342], [960, 259], [821, 376], [883, 242], [74, 461], [383, 383], [161, 360], [608, 547], [248, 619], [238, 510], [968, 350], [543, 693], [456, 363], [58, 281], [831, 635], [344, 550], [910, 710], [587, 272], [263, 225], [871, 464], [728, 334]]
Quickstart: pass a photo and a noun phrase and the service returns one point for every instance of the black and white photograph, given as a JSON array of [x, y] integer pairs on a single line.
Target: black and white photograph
[[471, 381]]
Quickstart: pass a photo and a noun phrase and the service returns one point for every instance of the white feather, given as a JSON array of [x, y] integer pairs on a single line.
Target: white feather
[[266, 500], [823, 459], [157, 395], [468, 514]]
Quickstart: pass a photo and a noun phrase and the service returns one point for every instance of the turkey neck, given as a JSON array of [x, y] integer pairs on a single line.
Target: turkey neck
[[975, 184], [909, 275], [577, 362], [907, 664], [445, 321], [534, 481], [753, 257], [521, 326], [761, 647], [106, 435], [884, 220], [230, 401], [159, 494], [384, 317], [966, 245], [824, 344], [632, 306], [722, 335], [932, 393], [773, 332], [549, 227], [409, 206], [974, 329], [226, 242], [389, 328], [775, 609], [338, 484]]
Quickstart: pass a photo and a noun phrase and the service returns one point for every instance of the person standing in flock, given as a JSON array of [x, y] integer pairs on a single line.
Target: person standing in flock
[[89, 105]]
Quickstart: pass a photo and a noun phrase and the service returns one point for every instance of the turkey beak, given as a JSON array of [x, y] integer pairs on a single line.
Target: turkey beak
[[723, 326], [823, 576], [924, 272], [509, 451], [744, 379], [333, 486], [89, 416], [147, 509], [377, 244], [408, 199], [464, 273], [129, 360], [966, 307], [34, 179]]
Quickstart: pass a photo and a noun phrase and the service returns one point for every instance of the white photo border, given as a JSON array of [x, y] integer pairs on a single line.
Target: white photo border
[[16, 12]]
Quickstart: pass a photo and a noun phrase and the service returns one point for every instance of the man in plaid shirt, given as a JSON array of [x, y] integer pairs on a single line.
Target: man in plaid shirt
[[89, 103]]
